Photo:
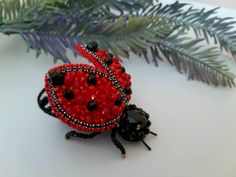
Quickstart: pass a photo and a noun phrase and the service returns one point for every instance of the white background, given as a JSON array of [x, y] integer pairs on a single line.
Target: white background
[[196, 124], [221, 3]]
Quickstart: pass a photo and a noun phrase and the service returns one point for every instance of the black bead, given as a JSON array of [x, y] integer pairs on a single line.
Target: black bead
[[122, 69], [146, 131], [109, 59], [149, 123], [128, 90], [57, 78], [68, 95], [92, 80], [132, 106], [92, 46], [118, 102], [92, 105]]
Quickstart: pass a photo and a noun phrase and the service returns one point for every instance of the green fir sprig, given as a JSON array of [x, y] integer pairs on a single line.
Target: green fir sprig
[[146, 28]]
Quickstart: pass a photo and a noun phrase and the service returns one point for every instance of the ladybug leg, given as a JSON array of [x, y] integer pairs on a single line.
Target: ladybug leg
[[81, 135], [117, 143], [44, 104]]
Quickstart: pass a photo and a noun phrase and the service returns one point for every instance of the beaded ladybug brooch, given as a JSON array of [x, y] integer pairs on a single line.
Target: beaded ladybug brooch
[[94, 99]]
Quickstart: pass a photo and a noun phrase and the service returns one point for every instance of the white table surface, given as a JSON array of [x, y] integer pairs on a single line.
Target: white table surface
[[196, 124]]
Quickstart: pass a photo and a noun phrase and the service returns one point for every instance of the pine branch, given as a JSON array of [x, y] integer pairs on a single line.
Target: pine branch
[[46, 12], [33, 14], [186, 55], [55, 26], [201, 65], [11, 9], [204, 23], [109, 8], [122, 37], [61, 36], [15, 11]]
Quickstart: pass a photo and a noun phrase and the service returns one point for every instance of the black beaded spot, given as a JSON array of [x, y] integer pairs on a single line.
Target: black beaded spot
[[57, 78], [92, 46], [122, 69], [118, 102], [68, 95], [128, 90], [109, 59], [92, 105], [92, 80]]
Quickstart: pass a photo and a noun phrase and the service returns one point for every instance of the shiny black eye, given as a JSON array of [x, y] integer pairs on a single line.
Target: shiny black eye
[[92, 105], [68, 95], [57, 78]]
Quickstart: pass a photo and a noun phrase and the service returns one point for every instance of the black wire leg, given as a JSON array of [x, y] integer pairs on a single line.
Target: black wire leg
[[117, 143], [43, 103], [72, 134]]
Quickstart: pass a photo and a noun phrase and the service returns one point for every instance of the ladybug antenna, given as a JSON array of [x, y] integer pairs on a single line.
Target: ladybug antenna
[[149, 148], [153, 133]]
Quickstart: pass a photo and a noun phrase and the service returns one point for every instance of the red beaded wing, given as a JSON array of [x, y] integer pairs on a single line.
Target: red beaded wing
[[89, 98]]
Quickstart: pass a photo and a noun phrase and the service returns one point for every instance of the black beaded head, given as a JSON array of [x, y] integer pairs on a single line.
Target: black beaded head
[[135, 124]]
